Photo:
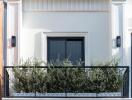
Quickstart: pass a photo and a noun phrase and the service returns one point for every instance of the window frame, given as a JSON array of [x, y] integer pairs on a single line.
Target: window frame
[[66, 39]]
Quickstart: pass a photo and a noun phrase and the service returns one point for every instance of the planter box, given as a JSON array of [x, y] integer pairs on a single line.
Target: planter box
[[50, 94], [112, 94], [81, 94], [39, 94], [109, 94], [23, 94]]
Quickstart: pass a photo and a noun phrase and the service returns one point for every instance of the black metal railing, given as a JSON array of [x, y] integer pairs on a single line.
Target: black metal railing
[[66, 81]]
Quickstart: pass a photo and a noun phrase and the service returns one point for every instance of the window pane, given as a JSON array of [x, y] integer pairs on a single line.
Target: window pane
[[65, 48], [74, 50], [56, 49]]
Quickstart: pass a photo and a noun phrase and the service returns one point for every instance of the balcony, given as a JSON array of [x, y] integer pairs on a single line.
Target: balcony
[[66, 82]]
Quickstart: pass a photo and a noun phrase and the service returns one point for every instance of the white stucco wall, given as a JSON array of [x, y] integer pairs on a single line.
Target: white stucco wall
[[95, 25], [127, 35], [122, 25], [12, 30], [89, 18]]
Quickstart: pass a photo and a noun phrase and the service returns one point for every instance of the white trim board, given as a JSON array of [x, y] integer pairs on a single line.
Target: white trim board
[[43, 43]]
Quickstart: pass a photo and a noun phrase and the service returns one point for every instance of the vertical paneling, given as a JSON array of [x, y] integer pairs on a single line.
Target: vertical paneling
[[65, 5]]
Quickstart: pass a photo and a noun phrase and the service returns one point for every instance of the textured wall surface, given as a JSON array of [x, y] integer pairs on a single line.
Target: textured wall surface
[[65, 5]]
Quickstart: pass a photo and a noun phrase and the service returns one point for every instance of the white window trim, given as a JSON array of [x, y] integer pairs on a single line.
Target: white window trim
[[44, 36]]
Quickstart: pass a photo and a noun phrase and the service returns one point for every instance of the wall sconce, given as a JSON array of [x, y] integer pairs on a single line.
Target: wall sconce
[[118, 41], [13, 41]]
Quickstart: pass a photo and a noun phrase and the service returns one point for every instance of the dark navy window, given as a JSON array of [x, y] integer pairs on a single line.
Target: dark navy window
[[61, 48]]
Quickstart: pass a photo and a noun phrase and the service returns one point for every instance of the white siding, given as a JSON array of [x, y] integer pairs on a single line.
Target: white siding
[[65, 5]]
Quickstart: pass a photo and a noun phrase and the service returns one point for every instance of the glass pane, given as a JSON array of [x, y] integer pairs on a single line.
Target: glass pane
[[74, 50], [56, 49]]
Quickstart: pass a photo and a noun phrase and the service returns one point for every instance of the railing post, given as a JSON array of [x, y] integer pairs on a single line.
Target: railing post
[[126, 83], [4, 83], [35, 81], [66, 82]]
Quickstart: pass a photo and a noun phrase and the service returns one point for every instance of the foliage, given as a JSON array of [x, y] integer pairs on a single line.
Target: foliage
[[63, 77], [27, 76], [106, 79]]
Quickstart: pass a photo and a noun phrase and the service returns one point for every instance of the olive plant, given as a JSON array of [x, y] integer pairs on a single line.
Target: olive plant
[[60, 77]]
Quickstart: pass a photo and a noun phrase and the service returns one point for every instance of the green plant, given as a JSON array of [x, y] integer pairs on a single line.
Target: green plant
[[106, 79], [28, 78], [66, 78]]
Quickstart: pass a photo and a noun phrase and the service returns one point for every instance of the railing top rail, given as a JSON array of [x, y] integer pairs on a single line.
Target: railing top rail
[[66, 66]]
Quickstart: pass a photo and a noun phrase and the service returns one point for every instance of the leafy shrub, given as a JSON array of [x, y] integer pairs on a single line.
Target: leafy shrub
[[106, 79], [66, 78], [27, 76]]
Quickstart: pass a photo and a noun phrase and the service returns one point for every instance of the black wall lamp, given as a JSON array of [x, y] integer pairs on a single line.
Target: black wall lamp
[[118, 41], [13, 41]]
